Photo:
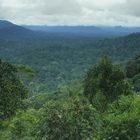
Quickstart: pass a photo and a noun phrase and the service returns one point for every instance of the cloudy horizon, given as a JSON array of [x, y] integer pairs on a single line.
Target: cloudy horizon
[[69, 12]]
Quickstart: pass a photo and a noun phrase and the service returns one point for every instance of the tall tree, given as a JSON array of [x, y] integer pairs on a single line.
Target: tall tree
[[12, 91], [106, 78]]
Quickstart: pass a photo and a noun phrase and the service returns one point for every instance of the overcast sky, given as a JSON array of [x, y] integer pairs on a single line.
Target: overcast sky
[[72, 12]]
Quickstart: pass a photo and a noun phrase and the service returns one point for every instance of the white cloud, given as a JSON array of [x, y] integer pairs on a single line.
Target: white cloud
[[60, 12], [131, 7]]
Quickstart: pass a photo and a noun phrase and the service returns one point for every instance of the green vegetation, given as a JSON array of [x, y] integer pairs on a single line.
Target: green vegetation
[[26, 70], [133, 71], [62, 59], [70, 119], [12, 91], [108, 80], [103, 106], [122, 120]]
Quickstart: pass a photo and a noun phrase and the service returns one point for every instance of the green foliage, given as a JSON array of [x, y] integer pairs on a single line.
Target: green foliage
[[122, 121], [123, 127], [63, 92], [26, 69], [133, 66], [100, 102], [61, 59], [106, 78], [20, 126], [136, 82], [12, 91], [109, 113], [133, 71], [70, 119], [23, 123]]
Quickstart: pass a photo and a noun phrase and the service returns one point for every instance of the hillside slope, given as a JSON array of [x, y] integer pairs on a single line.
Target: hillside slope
[[11, 31], [60, 60]]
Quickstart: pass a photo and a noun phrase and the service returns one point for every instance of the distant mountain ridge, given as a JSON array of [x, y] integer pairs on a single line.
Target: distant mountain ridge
[[5, 24], [12, 31], [102, 31]]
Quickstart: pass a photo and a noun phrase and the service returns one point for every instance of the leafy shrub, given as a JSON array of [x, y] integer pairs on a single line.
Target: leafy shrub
[[136, 82], [122, 122], [71, 119], [22, 124]]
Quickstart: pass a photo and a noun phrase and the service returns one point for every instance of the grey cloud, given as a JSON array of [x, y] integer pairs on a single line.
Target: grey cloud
[[87, 12], [129, 7], [27, 11], [133, 7], [53, 7]]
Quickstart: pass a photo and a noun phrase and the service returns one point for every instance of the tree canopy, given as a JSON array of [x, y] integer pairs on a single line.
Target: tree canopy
[[12, 91], [106, 78]]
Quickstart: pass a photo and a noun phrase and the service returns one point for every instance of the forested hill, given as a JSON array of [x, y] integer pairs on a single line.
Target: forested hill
[[86, 31], [60, 60], [5, 24], [10, 31], [103, 107], [121, 47]]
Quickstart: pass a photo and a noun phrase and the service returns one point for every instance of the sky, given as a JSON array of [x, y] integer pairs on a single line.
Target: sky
[[71, 12]]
